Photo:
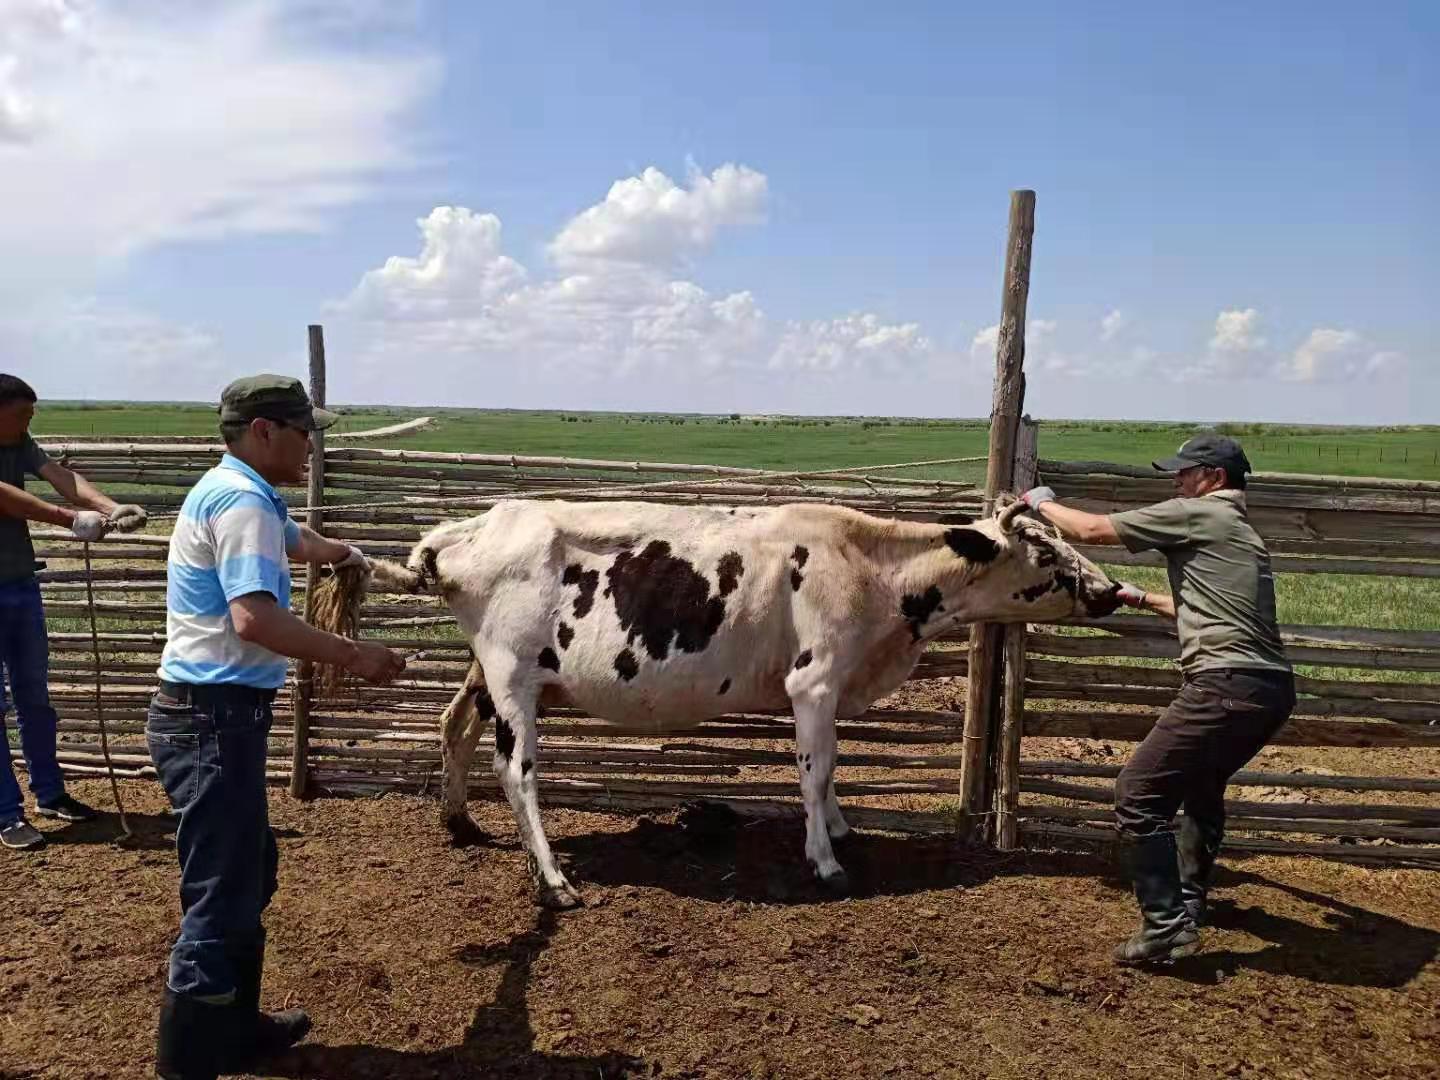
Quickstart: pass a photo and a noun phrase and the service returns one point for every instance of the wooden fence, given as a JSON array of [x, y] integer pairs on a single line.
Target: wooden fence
[[900, 767]]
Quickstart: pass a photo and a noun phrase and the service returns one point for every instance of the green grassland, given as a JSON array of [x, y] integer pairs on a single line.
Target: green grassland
[[802, 443]]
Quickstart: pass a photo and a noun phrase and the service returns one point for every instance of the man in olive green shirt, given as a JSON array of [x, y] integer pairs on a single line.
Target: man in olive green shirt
[[1238, 689]]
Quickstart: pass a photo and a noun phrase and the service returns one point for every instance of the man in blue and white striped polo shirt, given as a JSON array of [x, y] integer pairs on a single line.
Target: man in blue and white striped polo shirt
[[230, 632]]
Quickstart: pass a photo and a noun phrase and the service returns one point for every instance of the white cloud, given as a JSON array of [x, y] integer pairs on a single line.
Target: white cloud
[[1237, 331], [615, 306], [858, 341], [650, 219], [983, 344], [1330, 355], [1113, 322], [151, 122], [119, 349]]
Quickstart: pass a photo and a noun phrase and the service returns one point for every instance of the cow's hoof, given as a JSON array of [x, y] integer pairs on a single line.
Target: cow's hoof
[[464, 832], [560, 898], [836, 884]]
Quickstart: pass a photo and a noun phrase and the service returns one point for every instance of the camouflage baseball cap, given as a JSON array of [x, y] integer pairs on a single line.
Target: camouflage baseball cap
[[272, 397]]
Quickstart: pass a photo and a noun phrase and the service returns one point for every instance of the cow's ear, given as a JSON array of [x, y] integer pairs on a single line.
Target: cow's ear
[[972, 544], [955, 519]]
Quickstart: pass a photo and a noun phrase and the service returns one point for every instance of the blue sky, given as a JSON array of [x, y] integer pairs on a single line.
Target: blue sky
[[1237, 204]]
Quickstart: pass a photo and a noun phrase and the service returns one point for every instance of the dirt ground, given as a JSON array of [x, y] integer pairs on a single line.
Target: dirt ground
[[705, 952]]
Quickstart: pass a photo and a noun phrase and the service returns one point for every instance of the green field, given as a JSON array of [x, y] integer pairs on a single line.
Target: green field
[[803, 443]]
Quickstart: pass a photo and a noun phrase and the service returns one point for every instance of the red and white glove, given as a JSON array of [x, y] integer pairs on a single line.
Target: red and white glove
[[1036, 496], [1131, 595]]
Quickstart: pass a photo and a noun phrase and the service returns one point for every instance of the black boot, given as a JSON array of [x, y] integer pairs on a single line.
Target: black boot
[[187, 1046], [1198, 843], [258, 1035], [1165, 932]]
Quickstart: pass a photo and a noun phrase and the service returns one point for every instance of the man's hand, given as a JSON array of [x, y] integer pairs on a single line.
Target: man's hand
[[1131, 595], [375, 663], [355, 557], [89, 525], [128, 518], [1035, 496]]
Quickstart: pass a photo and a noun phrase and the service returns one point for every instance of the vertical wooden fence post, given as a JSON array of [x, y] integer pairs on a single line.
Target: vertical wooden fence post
[[1012, 704], [305, 676], [985, 639]]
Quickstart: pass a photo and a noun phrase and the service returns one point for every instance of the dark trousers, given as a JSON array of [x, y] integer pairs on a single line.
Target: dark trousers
[[1219, 721], [25, 656], [210, 754]]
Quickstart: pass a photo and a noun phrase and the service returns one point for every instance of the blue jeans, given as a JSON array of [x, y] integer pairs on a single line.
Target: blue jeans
[[25, 655], [211, 759]]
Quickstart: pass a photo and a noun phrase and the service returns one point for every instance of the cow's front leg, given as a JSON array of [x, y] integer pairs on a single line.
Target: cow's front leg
[[516, 742], [814, 704]]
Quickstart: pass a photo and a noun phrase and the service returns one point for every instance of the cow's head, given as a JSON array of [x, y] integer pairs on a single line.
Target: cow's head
[[1012, 568]]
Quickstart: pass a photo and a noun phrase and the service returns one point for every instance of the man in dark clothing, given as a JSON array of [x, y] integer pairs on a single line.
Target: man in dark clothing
[[24, 644], [1238, 689]]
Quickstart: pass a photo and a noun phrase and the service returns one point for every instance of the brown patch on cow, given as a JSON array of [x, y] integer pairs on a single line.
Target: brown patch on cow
[[504, 738], [972, 544], [803, 660], [723, 687], [587, 580], [526, 767], [549, 659], [1034, 592], [626, 665], [796, 580], [484, 706], [730, 569], [663, 600], [801, 555], [916, 610], [564, 634]]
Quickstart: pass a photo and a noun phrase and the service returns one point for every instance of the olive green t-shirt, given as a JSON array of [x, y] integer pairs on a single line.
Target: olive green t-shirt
[[1219, 575], [17, 555]]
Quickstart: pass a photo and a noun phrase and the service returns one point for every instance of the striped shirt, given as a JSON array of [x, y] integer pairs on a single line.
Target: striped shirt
[[231, 540]]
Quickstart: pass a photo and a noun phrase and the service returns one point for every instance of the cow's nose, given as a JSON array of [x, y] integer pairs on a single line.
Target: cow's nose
[[1104, 603]]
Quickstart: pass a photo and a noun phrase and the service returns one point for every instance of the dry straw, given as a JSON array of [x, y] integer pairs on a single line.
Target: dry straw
[[338, 597]]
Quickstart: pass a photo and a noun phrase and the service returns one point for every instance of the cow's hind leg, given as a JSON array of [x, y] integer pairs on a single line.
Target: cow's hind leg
[[815, 756], [516, 742], [460, 726]]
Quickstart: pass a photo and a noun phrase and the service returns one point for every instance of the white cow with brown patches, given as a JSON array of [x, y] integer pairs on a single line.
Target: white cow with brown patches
[[656, 618]]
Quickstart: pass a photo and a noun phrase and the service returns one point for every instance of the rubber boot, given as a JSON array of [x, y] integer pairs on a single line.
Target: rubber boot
[[258, 1035], [1165, 932], [190, 1037], [1198, 842]]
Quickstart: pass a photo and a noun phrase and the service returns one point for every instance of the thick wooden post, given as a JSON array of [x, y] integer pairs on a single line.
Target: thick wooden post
[[981, 713], [305, 676], [1012, 702]]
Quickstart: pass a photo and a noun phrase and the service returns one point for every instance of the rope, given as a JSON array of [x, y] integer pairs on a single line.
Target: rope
[[125, 833]]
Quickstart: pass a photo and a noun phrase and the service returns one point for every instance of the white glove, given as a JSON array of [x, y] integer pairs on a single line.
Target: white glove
[[355, 557], [89, 525], [128, 518], [1037, 495], [1131, 595]]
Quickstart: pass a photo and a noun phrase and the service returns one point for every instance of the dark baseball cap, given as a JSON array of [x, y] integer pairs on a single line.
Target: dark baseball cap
[[1212, 451], [272, 397]]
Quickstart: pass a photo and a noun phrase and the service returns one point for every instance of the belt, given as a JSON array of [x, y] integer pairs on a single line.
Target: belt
[[195, 694]]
